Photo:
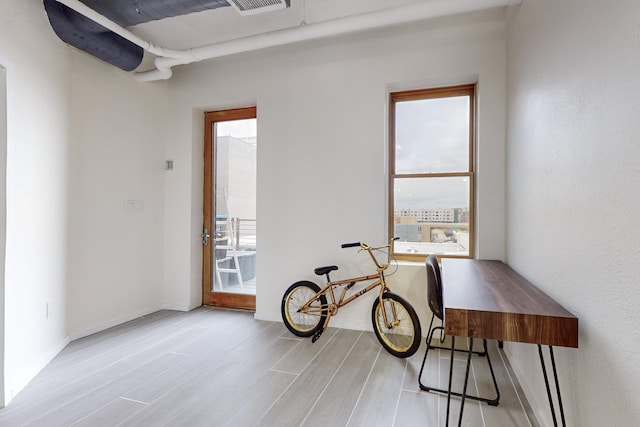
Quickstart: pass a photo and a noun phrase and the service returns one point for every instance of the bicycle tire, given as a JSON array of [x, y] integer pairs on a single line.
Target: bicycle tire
[[303, 324], [403, 338]]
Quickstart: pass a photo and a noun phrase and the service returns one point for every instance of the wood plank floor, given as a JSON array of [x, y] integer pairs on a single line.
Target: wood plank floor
[[213, 367]]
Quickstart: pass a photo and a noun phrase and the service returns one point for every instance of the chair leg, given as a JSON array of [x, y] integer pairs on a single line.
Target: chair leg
[[424, 359], [429, 346], [449, 392], [492, 402]]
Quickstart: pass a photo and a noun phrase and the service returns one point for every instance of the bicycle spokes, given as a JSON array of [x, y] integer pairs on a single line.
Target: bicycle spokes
[[396, 325], [302, 313]]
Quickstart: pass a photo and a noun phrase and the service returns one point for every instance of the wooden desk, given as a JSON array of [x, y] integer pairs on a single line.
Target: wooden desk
[[487, 299]]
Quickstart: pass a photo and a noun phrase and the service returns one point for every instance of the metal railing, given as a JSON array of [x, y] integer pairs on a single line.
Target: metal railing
[[245, 233]]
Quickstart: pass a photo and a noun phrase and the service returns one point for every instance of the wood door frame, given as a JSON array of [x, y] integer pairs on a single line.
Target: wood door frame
[[209, 297]]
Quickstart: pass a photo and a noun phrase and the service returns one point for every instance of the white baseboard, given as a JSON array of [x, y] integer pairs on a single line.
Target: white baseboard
[[269, 317], [335, 322], [114, 322], [178, 307], [16, 383], [123, 319]]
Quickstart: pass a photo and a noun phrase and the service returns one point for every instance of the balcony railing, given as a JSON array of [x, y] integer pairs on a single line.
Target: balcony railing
[[245, 234]]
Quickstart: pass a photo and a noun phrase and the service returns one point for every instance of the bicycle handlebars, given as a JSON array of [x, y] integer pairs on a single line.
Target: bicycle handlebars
[[354, 244], [370, 249], [365, 246], [350, 245]]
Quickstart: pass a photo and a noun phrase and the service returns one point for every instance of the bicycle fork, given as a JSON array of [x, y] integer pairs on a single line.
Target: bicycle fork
[[388, 324]]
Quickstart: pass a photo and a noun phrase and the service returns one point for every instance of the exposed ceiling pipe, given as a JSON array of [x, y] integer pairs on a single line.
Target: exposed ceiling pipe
[[168, 58], [335, 27], [107, 23]]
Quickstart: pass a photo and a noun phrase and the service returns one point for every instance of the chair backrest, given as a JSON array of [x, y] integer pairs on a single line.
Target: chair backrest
[[434, 287], [433, 260]]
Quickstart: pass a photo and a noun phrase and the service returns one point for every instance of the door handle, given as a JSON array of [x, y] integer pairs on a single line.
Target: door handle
[[205, 236]]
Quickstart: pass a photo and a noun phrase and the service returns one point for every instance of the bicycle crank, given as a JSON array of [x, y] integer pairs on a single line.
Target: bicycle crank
[[316, 335]]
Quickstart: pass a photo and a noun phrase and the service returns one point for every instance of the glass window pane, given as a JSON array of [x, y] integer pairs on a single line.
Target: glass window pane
[[431, 215], [234, 189], [432, 135], [236, 164]]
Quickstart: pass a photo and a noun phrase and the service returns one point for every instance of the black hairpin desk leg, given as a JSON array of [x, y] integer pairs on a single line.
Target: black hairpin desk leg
[[546, 383], [466, 381]]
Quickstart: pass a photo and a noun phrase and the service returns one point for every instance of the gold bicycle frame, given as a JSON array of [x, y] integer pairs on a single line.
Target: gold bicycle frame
[[332, 308]]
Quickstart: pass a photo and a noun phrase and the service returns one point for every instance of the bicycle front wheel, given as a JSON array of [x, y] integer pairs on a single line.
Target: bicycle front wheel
[[303, 322], [401, 334]]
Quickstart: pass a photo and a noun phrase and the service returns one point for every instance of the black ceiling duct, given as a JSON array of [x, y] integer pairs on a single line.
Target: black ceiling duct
[[84, 34]]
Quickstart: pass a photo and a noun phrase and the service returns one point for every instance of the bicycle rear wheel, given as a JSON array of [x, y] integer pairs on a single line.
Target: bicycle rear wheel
[[303, 323], [402, 338]]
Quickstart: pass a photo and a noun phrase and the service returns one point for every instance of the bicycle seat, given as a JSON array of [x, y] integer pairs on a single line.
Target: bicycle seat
[[321, 271]]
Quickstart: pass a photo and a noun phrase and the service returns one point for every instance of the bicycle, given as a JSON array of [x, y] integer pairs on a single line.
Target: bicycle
[[306, 311]]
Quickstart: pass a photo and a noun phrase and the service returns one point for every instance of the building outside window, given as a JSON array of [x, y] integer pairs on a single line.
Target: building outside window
[[431, 184]]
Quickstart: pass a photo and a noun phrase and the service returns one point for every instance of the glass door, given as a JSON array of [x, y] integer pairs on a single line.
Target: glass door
[[230, 226]]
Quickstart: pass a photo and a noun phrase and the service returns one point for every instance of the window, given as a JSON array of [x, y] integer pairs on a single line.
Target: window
[[431, 183]]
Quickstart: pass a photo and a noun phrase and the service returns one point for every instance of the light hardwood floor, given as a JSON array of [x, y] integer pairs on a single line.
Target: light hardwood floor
[[213, 367]]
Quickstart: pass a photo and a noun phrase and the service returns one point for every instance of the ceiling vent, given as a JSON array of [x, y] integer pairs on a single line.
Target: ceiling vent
[[252, 7]]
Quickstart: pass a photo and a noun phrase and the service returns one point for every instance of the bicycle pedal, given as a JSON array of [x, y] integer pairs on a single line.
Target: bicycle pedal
[[316, 336]]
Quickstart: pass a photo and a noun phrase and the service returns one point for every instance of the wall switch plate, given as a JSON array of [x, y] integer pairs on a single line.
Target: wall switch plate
[[134, 206]]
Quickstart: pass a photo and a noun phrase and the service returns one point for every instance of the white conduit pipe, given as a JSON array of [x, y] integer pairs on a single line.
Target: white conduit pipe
[[350, 24], [168, 58], [87, 12]]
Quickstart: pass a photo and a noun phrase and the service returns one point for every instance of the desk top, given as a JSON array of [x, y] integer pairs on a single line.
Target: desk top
[[487, 299]]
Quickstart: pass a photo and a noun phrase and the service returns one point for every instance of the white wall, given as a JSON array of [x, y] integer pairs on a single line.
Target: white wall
[[322, 153], [116, 155], [573, 200], [82, 138], [3, 214], [38, 92]]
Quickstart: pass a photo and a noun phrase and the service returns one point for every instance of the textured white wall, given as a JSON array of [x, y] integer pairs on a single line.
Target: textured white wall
[[322, 149], [38, 96], [573, 200]]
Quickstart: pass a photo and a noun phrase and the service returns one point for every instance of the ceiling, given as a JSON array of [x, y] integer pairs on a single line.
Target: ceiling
[[222, 31], [223, 24]]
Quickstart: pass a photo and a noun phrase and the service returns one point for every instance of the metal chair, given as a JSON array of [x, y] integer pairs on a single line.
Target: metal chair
[[434, 300]]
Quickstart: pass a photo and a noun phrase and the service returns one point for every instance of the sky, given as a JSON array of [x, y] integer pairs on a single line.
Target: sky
[[432, 136], [237, 128]]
